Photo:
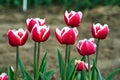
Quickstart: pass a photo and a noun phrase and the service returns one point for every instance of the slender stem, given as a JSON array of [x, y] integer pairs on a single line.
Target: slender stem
[[38, 54], [35, 65], [66, 54], [66, 60], [89, 70], [17, 57], [69, 51], [96, 58], [38, 58]]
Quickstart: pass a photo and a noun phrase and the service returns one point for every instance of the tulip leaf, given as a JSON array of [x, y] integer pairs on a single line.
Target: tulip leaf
[[25, 74], [83, 58], [83, 75], [43, 65], [93, 71], [1, 70], [71, 70], [28, 77], [10, 73], [99, 76], [42, 77], [78, 77], [110, 77], [61, 64], [22, 68], [49, 74], [46, 75]]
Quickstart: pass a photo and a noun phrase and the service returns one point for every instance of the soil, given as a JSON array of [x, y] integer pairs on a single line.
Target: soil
[[109, 53]]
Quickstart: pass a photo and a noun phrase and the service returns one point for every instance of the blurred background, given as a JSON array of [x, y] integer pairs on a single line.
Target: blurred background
[[13, 15], [67, 4]]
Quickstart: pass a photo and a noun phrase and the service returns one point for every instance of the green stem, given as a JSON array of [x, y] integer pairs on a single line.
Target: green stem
[[69, 52], [95, 61], [66, 60], [66, 54], [35, 65], [89, 70], [38, 54], [17, 57], [38, 59], [97, 50]]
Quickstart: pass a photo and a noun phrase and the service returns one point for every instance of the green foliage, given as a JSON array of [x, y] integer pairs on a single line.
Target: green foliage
[[11, 74], [83, 75], [67, 4], [61, 64], [44, 73], [70, 69], [114, 73], [2, 70]]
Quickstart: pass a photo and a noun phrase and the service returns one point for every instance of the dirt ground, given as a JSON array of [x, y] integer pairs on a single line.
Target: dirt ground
[[109, 54]]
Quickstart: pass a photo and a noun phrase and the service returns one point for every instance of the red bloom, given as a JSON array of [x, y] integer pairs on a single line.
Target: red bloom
[[3, 76], [86, 47], [41, 33], [73, 18], [67, 35], [32, 21], [81, 65], [99, 31], [17, 38]]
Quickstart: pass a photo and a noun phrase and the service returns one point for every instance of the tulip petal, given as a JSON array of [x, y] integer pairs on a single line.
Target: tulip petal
[[30, 23], [58, 35], [35, 34], [14, 39], [46, 34], [73, 18], [99, 31], [69, 37], [103, 33], [86, 47], [24, 38]]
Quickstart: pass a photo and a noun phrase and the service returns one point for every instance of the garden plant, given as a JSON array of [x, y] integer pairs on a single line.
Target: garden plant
[[69, 68]]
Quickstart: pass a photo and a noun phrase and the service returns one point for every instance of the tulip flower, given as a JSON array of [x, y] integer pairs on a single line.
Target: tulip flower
[[99, 31], [86, 47], [32, 21], [17, 37], [41, 33], [3, 76], [81, 65], [67, 35], [73, 18]]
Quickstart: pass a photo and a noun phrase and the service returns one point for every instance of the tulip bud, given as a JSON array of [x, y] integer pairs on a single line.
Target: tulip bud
[[17, 37], [73, 18], [86, 67], [86, 47], [81, 65], [67, 35], [41, 33], [99, 31], [3, 76], [32, 21]]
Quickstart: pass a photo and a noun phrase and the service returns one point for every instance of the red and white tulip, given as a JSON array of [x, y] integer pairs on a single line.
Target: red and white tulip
[[3, 76], [81, 65], [40, 33], [99, 31], [73, 18], [67, 35], [17, 37], [86, 47], [32, 21]]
